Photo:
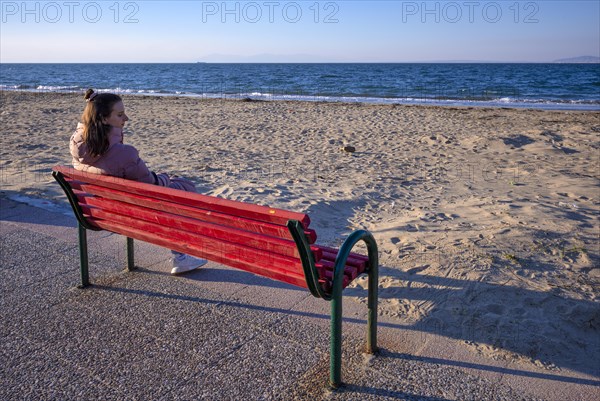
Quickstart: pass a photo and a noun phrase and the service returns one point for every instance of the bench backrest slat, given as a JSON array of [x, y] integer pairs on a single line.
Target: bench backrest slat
[[183, 238], [266, 228], [108, 209], [251, 211]]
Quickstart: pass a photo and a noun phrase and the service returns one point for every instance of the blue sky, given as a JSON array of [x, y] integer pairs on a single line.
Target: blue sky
[[298, 31]]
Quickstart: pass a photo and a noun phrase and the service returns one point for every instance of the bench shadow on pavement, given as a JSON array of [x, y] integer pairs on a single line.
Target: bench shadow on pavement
[[385, 352], [214, 274]]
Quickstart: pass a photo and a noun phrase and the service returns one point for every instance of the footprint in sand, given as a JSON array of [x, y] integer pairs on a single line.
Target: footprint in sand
[[223, 191], [266, 191]]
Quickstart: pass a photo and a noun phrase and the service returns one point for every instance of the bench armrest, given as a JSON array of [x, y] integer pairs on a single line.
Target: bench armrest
[[308, 260], [59, 177]]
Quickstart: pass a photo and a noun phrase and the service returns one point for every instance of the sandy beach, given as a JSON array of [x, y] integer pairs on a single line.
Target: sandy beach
[[487, 219]]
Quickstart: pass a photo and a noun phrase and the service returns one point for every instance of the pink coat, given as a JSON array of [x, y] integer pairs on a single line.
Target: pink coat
[[120, 160]]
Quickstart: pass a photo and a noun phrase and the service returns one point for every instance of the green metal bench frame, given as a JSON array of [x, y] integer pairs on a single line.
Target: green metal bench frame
[[310, 272], [335, 296]]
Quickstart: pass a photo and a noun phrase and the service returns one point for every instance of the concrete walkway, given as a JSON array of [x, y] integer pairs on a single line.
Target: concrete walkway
[[214, 334]]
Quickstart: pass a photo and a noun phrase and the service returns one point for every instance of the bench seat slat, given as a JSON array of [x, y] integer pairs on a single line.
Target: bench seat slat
[[359, 264], [326, 275], [350, 273], [114, 210], [265, 265], [265, 228], [354, 257], [251, 211]]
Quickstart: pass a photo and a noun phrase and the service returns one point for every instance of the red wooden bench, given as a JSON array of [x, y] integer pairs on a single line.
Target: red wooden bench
[[270, 242]]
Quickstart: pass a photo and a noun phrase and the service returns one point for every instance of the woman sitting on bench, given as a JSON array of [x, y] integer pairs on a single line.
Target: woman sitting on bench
[[97, 147]]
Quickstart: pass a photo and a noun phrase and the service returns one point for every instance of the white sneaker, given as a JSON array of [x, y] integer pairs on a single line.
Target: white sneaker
[[184, 263]]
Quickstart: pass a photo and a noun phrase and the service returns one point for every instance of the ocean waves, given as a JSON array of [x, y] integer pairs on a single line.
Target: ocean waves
[[544, 86]]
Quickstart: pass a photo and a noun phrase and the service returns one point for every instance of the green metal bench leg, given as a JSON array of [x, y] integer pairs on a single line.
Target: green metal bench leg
[[83, 257], [130, 258], [310, 272], [335, 379], [335, 355], [372, 309], [335, 376]]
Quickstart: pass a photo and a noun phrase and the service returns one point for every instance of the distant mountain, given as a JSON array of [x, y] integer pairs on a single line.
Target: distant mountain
[[580, 60], [312, 58], [263, 58]]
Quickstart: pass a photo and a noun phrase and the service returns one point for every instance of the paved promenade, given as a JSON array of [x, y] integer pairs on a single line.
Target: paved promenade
[[214, 334]]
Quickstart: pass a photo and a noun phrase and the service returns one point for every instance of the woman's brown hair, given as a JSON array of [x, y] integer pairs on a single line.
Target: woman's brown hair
[[95, 132]]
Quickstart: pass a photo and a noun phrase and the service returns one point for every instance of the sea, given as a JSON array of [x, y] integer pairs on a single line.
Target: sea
[[552, 86]]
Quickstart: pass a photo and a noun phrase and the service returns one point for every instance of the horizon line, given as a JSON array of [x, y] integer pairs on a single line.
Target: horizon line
[[559, 61]]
